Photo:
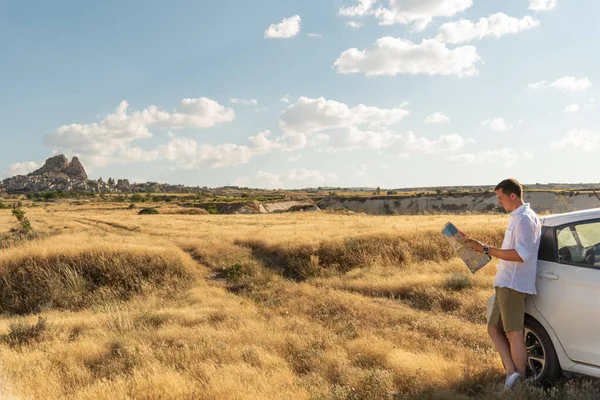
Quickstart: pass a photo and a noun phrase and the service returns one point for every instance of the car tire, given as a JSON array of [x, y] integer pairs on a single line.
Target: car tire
[[543, 366]]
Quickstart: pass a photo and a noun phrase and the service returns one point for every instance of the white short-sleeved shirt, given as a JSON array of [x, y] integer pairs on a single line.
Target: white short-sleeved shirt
[[523, 235]]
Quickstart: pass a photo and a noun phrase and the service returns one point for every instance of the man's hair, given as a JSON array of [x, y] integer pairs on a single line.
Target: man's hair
[[509, 186]]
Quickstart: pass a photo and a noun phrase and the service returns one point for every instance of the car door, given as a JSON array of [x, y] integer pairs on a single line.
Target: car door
[[568, 287]]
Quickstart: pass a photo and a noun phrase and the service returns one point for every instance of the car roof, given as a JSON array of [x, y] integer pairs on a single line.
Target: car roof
[[574, 216]]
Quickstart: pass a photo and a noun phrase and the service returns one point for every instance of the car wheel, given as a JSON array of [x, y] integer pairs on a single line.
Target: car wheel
[[542, 363]]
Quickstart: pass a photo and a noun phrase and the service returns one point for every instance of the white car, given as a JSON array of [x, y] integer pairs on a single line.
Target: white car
[[562, 322]]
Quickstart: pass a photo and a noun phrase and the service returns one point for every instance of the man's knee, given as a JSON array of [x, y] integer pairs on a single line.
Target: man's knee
[[514, 336], [494, 332]]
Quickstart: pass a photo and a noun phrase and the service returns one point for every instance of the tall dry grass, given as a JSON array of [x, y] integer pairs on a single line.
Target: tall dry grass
[[305, 306], [76, 271]]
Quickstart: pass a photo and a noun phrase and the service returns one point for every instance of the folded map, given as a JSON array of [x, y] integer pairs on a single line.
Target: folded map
[[456, 238]]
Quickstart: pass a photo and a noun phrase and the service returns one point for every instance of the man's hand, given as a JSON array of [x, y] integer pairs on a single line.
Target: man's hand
[[476, 245]]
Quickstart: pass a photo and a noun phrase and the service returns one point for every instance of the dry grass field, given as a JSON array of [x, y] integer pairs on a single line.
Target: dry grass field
[[103, 303]]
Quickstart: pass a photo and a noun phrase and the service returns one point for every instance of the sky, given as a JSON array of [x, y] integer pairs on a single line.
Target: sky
[[303, 93]]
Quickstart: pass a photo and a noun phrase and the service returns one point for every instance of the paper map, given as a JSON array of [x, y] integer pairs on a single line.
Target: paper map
[[474, 260]]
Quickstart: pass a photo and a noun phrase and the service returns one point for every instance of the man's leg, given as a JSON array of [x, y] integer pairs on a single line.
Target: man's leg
[[503, 347], [518, 351]]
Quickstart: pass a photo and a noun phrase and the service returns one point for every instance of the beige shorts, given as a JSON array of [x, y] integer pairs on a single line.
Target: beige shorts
[[508, 311]]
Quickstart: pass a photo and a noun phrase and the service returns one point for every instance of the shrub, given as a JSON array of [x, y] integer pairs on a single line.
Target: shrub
[[22, 333], [458, 282], [389, 192], [212, 209], [136, 198], [148, 211], [131, 206], [3, 206], [75, 277], [236, 271], [302, 261], [24, 224]]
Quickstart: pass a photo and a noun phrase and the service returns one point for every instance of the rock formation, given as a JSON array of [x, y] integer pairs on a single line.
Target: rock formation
[[60, 175], [58, 166], [57, 174], [53, 165], [75, 170]]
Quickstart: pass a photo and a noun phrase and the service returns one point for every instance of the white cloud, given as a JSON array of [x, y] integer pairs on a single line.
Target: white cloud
[[572, 108], [285, 99], [313, 115], [355, 24], [404, 144], [497, 124], [250, 102], [20, 168], [506, 156], [287, 179], [136, 154], [294, 158], [331, 126], [537, 85], [437, 118], [352, 138], [364, 7], [496, 25], [419, 12], [572, 84], [566, 83], [288, 141], [109, 141], [578, 139], [189, 155], [542, 5], [315, 35], [261, 144], [392, 56], [287, 28], [408, 144]]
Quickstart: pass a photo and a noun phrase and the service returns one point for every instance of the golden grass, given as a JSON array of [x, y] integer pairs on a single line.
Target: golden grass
[[302, 306]]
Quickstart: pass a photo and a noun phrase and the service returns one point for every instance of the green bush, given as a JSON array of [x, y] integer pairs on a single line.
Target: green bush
[[236, 271], [136, 198], [148, 211], [458, 282], [212, 209], [24, 224]]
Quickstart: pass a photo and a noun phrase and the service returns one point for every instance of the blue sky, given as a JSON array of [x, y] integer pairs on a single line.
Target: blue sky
[[299, 93]]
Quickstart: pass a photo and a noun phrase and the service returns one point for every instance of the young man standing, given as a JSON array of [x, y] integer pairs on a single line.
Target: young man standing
[[515, 278]]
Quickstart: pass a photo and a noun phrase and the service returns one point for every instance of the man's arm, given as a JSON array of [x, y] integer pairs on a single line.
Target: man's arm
[[503, 254], [525, 233]]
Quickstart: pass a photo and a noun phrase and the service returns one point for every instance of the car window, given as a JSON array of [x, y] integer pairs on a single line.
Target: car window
[[565, 237], [579, 243]]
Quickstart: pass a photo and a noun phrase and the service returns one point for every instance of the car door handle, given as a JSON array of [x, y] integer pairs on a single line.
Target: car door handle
[[548, 275]]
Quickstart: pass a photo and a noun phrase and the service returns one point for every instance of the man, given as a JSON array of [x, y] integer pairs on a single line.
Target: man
[[515, 278]]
